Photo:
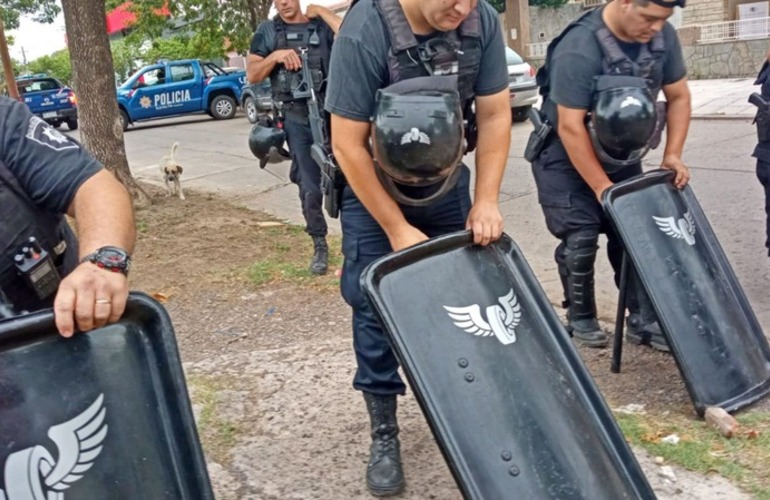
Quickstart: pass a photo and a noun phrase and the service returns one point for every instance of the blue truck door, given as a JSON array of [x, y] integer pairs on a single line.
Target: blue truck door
[[185, 89], [145, 101]]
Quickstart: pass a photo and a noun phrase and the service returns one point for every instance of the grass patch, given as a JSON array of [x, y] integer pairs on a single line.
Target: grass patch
[[742, 459], [218, 434], [141, 225], [286, 259]]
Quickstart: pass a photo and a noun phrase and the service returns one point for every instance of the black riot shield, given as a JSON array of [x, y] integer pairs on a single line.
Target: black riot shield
[[714, 336], [104, 414], [508, 399]]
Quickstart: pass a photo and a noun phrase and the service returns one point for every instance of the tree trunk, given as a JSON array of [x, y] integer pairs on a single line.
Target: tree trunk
[[94, 79]]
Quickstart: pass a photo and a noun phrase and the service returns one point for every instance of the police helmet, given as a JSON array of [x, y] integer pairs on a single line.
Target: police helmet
[[417, 138], [622, 120], [266, 142]]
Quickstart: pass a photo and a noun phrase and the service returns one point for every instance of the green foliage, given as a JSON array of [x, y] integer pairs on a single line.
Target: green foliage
[[43, 11], [547, 3], [182, 47], [56, 65], [212, 26], [124, 58], [499, 5]]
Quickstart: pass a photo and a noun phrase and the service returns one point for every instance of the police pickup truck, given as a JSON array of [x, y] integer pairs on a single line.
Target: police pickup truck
[[172, 88], [47, 98]]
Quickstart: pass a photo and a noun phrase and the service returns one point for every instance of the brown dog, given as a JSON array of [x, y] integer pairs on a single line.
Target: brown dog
[[172, 171]]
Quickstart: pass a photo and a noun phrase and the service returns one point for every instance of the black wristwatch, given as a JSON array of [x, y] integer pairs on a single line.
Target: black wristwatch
[[111, 258]]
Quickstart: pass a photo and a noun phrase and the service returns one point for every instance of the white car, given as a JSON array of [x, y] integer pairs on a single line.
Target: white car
[[521, 85]]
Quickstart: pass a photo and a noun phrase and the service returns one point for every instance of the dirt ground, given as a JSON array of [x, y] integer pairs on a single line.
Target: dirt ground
[[270, 365]]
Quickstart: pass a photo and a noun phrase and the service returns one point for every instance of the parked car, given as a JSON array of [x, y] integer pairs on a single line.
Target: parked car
[[521, 85], [49, 99], [171, 88], [257, 99]]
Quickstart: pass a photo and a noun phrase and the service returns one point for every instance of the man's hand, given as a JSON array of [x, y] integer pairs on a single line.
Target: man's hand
[[313, 11], [486, 222], [289, 58], [676, 164], [89, 297], [406, 237]]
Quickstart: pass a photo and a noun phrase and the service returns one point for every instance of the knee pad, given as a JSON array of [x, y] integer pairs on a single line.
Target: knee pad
[[580, 251]]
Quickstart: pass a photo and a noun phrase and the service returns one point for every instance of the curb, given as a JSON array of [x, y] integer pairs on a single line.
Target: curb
[[720, 117]]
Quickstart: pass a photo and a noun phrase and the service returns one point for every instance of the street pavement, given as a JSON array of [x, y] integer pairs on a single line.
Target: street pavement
[[724, 98]]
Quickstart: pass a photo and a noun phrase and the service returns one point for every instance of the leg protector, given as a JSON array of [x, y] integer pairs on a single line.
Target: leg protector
[[384, 476], [579, 257], [579, 252]]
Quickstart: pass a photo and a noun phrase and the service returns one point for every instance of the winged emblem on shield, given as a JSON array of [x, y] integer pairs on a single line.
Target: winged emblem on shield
[[683, 228], [34, 473], [500, 319]]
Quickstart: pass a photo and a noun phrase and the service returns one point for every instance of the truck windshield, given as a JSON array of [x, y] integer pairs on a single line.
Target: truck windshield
[[26, 86]]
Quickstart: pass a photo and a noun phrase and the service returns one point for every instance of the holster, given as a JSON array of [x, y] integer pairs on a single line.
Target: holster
[[538, 137], [762, 118]]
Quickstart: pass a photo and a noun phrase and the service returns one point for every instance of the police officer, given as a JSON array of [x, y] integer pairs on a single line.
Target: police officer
[[383, 43], [275, 53], [626, 43], [762, 151], [43, 175]]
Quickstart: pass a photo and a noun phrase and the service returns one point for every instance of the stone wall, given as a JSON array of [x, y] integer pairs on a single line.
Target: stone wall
[[704, 12], [546, 23], [725, 60]]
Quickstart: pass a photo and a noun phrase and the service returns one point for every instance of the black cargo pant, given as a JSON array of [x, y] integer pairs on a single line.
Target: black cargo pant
[[763, 174], [306, 174], [364, 241], [569, 206]]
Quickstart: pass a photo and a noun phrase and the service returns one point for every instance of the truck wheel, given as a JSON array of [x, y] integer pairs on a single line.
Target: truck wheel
[[55, 124], [251, 109], [222, 107], [124, 120], [520, 114], [72, 123]]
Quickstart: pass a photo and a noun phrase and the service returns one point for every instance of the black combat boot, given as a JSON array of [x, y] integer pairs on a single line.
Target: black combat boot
[[320, 263], [384, 476]]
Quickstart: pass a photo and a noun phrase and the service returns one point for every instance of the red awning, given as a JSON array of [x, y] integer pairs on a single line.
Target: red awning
[[121, 17]]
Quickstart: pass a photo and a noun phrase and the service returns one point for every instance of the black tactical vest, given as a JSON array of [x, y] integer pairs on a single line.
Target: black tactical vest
[[22, 219], [648, 64], [454, 52], [310, 36]]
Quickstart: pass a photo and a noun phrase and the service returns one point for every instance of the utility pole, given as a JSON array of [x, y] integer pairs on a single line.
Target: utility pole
[[10, 78], [517, 22]]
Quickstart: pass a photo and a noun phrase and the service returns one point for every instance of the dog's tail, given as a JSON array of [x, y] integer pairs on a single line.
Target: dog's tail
[[174, 147]]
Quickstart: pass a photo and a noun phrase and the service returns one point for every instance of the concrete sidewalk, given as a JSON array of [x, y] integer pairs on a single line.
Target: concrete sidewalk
[[723, 98]]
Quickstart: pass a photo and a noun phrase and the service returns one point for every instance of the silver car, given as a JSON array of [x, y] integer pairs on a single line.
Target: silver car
[[521, 85]]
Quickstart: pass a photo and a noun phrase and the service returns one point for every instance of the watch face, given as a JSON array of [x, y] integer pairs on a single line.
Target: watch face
[[113, 258]]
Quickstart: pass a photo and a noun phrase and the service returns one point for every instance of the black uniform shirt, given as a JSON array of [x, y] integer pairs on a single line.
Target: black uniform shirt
[[359, 65], [48, 165], [577, 59], [263, 43]]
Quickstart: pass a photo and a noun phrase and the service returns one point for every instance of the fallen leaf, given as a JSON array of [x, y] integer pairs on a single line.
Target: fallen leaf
[[160, 297]]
